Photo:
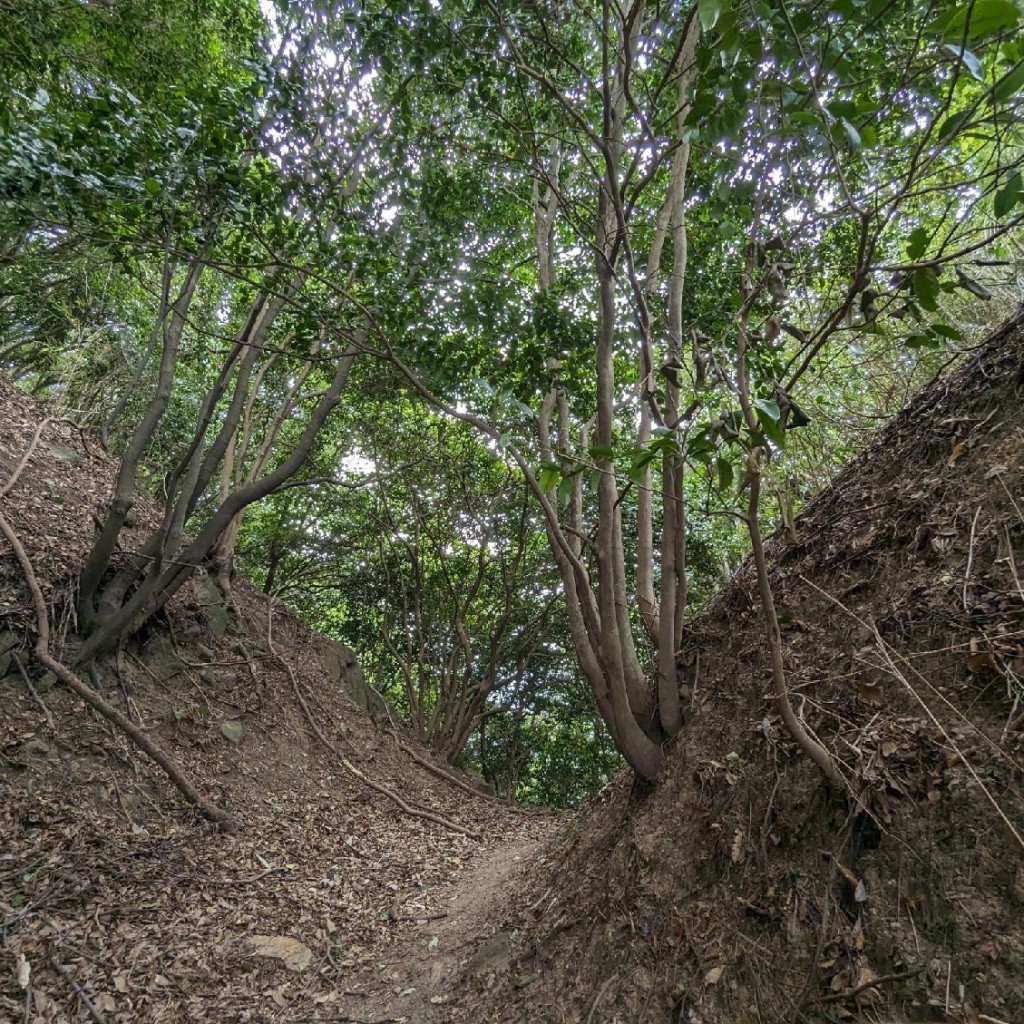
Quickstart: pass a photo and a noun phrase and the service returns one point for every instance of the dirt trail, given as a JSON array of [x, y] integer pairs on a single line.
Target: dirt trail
[[111, 892], [414, 983]]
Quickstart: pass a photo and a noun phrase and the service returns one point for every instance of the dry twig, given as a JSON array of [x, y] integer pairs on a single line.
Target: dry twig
[[836, 997], [35, 696], [19, 468], [86, 1002], [887, 654]]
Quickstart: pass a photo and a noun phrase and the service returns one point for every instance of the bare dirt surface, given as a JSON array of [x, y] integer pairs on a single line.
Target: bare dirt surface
[[415, 980]]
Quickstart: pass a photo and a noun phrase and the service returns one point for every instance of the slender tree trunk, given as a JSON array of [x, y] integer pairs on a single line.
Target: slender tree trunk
[[148, 600], [124, 488]]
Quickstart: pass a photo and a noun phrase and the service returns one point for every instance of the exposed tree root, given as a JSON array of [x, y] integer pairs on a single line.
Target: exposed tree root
[[796, 729], [377, 787], [97, 703], [442, 774]]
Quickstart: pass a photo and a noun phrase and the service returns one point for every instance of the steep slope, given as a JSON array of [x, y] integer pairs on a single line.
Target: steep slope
[[118, 903], [739, 890]]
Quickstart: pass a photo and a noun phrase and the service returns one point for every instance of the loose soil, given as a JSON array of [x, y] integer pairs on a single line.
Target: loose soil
[[415, 981]]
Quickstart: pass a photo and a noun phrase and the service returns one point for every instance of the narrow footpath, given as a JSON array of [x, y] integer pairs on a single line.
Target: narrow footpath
[[458, 939]]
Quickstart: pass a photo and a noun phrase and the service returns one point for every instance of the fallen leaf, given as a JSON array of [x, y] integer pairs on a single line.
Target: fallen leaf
[[870, 693], [981, 661], [24, 971], [736, 853], [714, 975], [870, 995], [296, 956]]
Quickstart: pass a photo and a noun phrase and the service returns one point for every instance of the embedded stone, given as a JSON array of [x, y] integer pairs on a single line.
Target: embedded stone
[[294, 955], [232, 732]]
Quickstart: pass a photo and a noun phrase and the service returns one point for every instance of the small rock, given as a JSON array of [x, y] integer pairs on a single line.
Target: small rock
[[64, 453], [496, 955], [212, 600], [218, 619], [33, 748], [46, 682], [165, 665], [232, 732], [295, 955]]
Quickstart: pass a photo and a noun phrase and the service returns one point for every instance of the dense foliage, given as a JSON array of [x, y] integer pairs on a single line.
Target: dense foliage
[[491, 336]]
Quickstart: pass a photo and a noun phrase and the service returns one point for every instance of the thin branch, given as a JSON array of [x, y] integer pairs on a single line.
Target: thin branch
[[77, 989]]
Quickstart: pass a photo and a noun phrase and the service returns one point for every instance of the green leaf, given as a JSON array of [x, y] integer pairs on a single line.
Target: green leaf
[[973, 20], [969, 60], [153, 187], [769, 408], [917, 243], [851, 133], [919, 340], [548, 476], [1009, 86], [768, 416], [925, 283], [945, 331], [772, 430], [952, 125], [644, 457], [725, 474], [1008, 196], [710, 11], [602, 451], [565, 491]]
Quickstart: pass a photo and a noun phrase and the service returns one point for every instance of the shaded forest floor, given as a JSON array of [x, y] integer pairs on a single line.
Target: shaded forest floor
[[737, 890]]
